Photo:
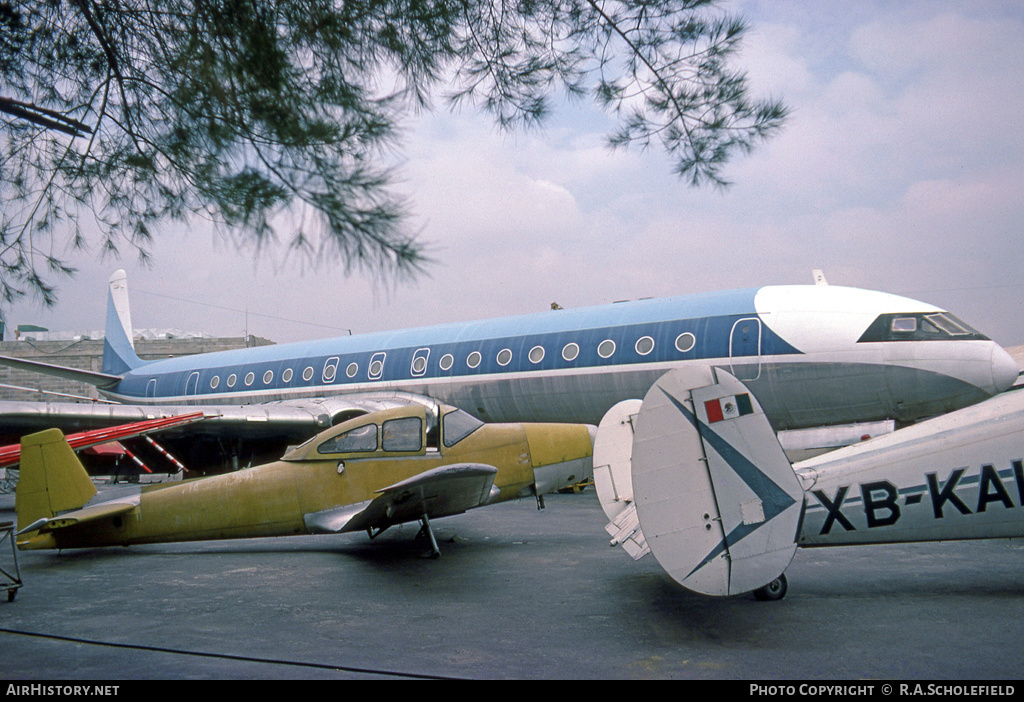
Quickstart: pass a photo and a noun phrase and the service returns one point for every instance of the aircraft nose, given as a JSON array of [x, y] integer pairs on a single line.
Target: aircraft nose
[[1005, 370], [561, 454]]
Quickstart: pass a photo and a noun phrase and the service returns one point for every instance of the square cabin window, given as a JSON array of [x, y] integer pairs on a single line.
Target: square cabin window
[[404, 434], [358, 440]]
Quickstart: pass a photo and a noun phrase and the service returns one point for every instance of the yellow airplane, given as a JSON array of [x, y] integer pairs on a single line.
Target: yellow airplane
[[366, 474]]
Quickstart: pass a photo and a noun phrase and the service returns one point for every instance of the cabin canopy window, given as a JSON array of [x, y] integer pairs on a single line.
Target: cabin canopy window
[[356, 440], [405, 434]]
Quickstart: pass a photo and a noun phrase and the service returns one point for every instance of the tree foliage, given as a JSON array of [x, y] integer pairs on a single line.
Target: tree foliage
[[119, 115]]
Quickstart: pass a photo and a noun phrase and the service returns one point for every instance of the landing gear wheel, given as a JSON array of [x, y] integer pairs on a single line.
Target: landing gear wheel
[[775, 590]]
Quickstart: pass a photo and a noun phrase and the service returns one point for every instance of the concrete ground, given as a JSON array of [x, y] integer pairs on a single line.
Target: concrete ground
[[517, 593]]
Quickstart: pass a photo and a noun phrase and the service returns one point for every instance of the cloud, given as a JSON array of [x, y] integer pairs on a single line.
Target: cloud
[[899, 170]]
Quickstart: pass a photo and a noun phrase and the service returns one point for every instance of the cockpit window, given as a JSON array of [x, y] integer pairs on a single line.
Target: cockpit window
[[904, 325], [356, 440], [925, 326], [457, 426], [951, 325]]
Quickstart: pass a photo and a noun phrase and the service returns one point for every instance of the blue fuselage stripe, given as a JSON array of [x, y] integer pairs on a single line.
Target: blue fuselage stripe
[[681, 329]]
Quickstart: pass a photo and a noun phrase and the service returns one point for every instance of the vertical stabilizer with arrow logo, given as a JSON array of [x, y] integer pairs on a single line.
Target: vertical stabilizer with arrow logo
[[716, 500]]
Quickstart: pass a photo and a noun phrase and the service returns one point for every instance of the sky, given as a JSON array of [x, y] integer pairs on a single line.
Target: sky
[[901, 169]]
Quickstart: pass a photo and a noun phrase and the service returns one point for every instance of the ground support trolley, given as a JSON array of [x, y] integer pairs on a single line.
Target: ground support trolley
[[10, 574]]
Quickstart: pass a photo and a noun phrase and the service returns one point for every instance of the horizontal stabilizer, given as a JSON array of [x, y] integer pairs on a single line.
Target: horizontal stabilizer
[[438, 492], [81, 516], [716, 499], [100, 380], [626, 532]]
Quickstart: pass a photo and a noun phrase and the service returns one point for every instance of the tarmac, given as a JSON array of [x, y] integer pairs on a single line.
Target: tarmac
[[516, 594]]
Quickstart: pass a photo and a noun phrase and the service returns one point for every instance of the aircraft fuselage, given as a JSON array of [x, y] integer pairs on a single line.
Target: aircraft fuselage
[[959, 476], [812, 355]]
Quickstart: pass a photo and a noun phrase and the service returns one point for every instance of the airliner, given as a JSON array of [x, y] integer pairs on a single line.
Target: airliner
[[812, 354]]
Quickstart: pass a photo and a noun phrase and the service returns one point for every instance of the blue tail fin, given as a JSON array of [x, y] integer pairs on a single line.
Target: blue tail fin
[[118, 348]]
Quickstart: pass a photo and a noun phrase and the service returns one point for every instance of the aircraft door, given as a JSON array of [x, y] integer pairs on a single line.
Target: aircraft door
[[745, 348], [191, 388]]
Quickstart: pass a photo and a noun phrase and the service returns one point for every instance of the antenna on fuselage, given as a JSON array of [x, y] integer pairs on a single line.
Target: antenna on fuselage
[[819, 277]]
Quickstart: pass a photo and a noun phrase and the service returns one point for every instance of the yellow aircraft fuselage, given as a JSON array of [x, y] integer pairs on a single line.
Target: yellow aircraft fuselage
[[274, 499]]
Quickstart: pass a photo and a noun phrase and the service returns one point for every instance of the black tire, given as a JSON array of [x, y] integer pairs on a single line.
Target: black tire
[[775, 590]]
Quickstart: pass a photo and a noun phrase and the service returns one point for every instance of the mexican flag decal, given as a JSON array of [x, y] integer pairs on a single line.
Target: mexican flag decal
[[728, 407]]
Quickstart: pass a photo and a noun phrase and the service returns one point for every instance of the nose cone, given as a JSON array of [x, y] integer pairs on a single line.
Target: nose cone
[[561, 454], [1005, 370]]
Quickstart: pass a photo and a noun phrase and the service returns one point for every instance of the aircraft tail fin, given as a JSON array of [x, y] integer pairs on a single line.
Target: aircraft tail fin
[[52, 479], [118, 348], [717, 502]]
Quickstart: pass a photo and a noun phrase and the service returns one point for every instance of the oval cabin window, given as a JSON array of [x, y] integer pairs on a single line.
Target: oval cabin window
[[685, 342]]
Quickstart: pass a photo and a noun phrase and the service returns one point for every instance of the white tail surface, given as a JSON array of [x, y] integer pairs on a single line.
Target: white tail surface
[[613, 450], [613, 477], [717, 501], [119, 303]]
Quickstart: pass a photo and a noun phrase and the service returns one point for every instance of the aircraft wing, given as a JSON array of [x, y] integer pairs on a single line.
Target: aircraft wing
[[34, 416], [437, 492], [253, 433], [11, 455]]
